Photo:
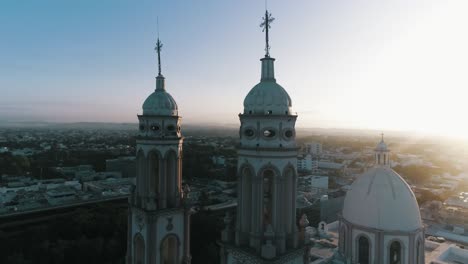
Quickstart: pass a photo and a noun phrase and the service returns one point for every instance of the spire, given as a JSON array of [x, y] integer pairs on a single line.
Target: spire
[[382, 134], [267, 20], [268, 72], [160, 78]]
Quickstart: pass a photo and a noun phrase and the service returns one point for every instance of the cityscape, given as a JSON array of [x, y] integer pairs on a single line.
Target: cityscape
[[157, 188]]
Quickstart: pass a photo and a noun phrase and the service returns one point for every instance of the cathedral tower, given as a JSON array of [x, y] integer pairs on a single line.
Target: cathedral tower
[[267, 174], [158, 221]]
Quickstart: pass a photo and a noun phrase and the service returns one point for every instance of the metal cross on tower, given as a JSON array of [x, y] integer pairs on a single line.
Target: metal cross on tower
[[267, 20], [158, 48]]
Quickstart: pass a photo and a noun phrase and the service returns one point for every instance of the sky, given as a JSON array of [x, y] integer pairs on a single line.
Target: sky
[[384, 65]]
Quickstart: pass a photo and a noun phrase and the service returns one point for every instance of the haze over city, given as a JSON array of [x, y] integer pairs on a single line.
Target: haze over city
[[393, 65]]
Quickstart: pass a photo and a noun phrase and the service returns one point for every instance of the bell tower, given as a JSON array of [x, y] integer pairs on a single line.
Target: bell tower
[[158, 220], [267, 174]]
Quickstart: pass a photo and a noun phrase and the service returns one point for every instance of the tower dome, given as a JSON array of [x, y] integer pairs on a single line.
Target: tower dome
[[160, 102], [381, 199], [267, 97]]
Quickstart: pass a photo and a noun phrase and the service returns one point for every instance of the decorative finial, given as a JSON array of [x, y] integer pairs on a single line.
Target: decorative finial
[[382, 134], [267, 20], [158, 48]]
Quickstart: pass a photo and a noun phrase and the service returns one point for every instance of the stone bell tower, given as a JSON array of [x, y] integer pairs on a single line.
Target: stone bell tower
[[267, 174], [158, 220]]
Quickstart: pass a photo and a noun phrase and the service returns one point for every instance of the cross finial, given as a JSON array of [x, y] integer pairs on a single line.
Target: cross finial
[[267, 20], [158, 48]]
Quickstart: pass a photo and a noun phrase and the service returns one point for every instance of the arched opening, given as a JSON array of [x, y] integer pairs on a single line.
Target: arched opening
[[154, 172], [138, 249], [246, 178], [378, 159], [170, 250], [384, 159], [395, 253], [171, 180], [363, 250], [268, 177], [140, 172]]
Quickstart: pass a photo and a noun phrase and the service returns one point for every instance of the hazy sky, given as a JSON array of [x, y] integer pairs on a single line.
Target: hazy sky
[[346, 64]]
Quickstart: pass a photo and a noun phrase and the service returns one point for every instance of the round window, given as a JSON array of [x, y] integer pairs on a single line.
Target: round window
[[154, 127], [269, 133], [142, 127], [288, 133], [249, 132]]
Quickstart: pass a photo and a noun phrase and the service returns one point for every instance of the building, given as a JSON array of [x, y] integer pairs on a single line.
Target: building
[[124, 165], [307, 163], [265, 227], [313, 148], [158, 220], [381, 222]]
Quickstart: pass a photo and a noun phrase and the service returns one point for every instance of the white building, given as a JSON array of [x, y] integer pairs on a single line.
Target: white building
[[158, 220], [381, 222], [307, 163], [314, 148]]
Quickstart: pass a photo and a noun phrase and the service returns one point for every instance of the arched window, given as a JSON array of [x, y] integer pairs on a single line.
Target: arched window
[[384, 159], [268, 176], [170, 250], [395, 253], [138, 249], [378, 159], [363, 250]]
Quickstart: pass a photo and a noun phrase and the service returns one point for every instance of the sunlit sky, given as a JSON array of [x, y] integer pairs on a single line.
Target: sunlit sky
[[387, 65]]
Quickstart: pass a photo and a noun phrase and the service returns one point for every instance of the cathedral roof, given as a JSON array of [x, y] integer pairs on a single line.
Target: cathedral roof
[[381, 199]]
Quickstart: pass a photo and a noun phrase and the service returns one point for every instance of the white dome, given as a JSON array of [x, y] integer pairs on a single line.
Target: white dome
[[160, 102], [381, 199], [267, 97]]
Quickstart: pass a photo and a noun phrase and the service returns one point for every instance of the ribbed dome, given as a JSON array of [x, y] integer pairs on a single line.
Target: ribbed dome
[[381, 146], [160, 102], [381, 199], [265, 97]]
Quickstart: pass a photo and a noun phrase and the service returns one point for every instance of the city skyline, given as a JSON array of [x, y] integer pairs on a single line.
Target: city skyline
[[342, 63]]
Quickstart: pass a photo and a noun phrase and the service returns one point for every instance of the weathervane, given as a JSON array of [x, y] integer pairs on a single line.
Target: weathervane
[[267, 20]]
